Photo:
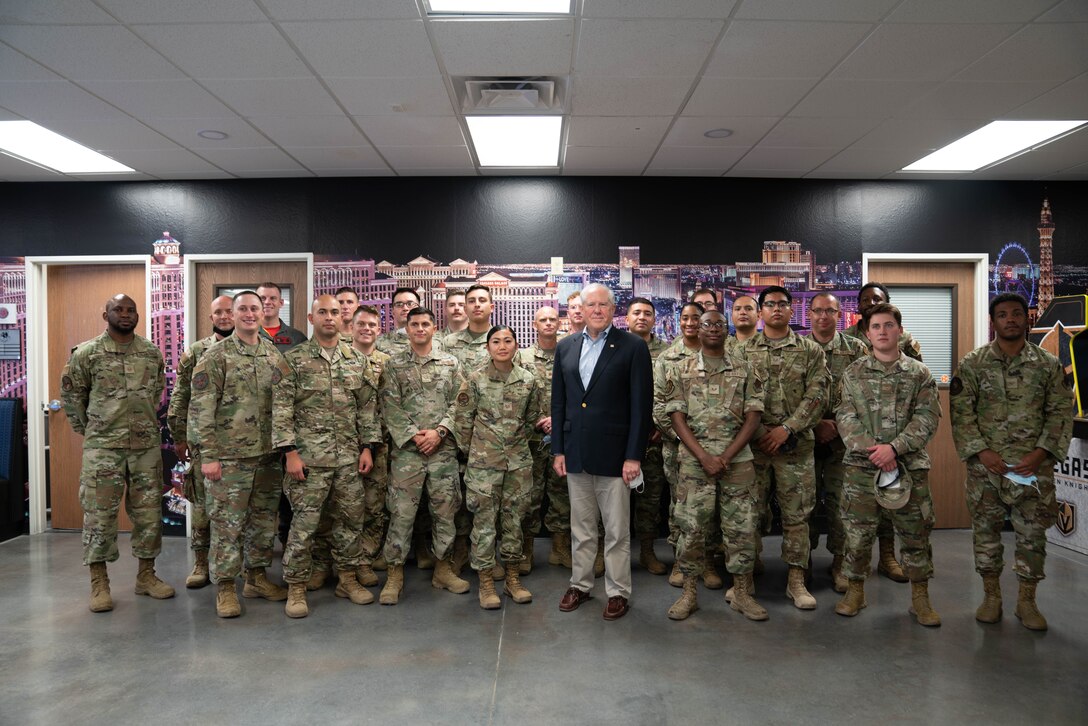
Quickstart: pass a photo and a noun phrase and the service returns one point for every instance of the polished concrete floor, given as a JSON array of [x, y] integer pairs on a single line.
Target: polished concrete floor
[[437, 658]]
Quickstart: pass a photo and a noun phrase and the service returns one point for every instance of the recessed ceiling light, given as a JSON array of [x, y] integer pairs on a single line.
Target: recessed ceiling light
[[509, 141], [500, 7], [718, 133], [994, 142], [36, 144], [212, 134]]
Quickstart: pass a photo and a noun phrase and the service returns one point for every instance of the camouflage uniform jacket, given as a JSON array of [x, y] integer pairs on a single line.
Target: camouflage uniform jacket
[[496, 415], [469, 348], [733, 343], [111, 393], [657, 346], [714, 394], [327, 407], [230, 413], [795, 378], [396, 341], [674, 355], [840, 352], [907, 343], [420, 392], [177, 417], [286, 337], [896, 405], [1011, 405], [538, 361], [379, 362]]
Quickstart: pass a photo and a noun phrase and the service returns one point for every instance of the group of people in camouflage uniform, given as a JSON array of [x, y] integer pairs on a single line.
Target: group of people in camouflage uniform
[[437, 442]]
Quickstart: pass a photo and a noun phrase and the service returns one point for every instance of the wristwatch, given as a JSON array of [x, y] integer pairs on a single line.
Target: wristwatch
[[442, 431], [788, 429]]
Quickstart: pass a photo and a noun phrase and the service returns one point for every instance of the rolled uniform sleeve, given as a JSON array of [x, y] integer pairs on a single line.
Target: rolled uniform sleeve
[[817, 380], [75, 391], [1057, 414], [283, 404], [964, 392], [924, 419], [203, 406]]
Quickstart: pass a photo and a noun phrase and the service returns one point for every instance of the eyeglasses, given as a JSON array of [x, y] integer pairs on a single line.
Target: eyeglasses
[[780, 304], [406, 304], [596, 305], [825, 311], [715, 325]]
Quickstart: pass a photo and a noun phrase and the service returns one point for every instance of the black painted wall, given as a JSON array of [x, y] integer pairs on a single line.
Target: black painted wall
[[497, 220]]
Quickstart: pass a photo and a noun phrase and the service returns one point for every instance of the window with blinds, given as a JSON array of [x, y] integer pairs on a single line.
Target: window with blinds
[[929, 316]]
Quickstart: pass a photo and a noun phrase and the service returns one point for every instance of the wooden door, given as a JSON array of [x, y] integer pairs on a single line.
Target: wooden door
[[210, 277], [947, 477], [77, 298]]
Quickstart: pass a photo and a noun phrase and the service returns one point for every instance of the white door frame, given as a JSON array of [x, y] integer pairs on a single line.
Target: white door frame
[[37, 363], [981, 261]]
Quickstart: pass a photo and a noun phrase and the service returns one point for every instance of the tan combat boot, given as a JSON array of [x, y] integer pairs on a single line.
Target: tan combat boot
[[226, 600], [796, 590], [990, 609], [1026, 609], [296, 600], [676, 577], [688, 602], [394, 584], [838, 580], [920, 607], [711, 579], [853, 601], [101, 602], [888, 565], [366, 575], [498, 572], [740, 598], [648, 558], [560, 554], [148, 583], [489, 599], [598, 563], [379, 564], [460, 553], [258, 585], [444, 579], [424, 556], [525, 566], [350, 588], [317, 579], [199, 576], [513, 587]]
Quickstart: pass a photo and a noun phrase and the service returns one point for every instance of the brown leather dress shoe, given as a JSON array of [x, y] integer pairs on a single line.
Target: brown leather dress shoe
[[617, 607], [572, 598]]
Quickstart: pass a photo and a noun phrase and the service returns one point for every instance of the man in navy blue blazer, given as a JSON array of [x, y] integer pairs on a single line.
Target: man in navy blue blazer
[[602, 396]]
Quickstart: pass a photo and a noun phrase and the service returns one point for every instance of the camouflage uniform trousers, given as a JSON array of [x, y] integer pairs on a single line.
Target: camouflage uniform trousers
[[103, 479], [913, 523], [698, 501], [197, 497], [669, 452], [375, 519], [335, 493], [412, 474], [647, 504], [544, 480], [829, 470], [991, 499], [498, 501], [795, 489], [243, 506]]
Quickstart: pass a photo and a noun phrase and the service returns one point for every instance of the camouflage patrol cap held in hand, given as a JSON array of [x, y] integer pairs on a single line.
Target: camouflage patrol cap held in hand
[[895, 492]]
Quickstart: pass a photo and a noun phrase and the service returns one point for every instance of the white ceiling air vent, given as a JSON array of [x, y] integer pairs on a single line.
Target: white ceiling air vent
[[512, 95]]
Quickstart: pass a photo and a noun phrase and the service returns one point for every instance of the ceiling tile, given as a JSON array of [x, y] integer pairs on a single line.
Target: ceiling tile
[[1067, 101], [607, 157], [338, 157], [69, 12], [1054, 157], [663, 171], [748, 96], [339, 9], [974, 99], [536, 47], [184, 131], [917, 133], [309, 130], [274, 96], [857, 10], [190, 11], [38, 100], [358, 172], [921, 52], [392, 96], [967, 11], [696, 157], [89, 52], [633, 131], [118, 133], [227, 50], [766, 173], [605, 172], [114, 177], [657, 8], [279, 173], [454, 157], [757, 49], [239, 161], [618, 96], [162, 161], [816, 132], [747, 130], [6, 115], [1039, 52], [1067, 11], [159, 99], [403, 130], [770, 158], [874, 162], [196, 175], [860, 99], [369, 48], [12, 169], [644, 47], [14, 66]]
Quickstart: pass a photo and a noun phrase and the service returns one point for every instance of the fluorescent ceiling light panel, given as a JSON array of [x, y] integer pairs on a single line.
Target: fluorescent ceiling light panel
[[501, 7], [28, 141], [516, 140], [994, 142]]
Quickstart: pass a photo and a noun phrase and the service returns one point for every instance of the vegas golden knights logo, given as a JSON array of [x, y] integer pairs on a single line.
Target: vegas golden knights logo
[[1067, 518]]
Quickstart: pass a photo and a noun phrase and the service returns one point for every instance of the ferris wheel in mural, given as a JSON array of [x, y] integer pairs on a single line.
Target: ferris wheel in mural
[[1005, 277]]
